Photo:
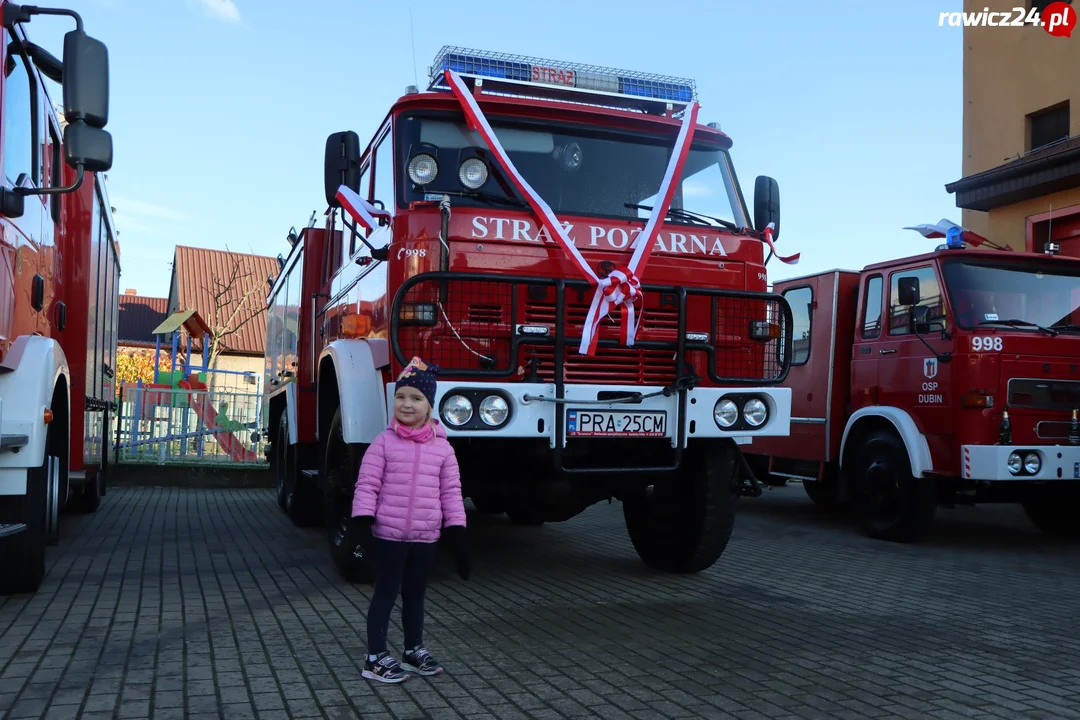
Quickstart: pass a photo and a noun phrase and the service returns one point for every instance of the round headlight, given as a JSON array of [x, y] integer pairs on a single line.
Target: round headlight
[[1032, 463], [423, 169], [457, 410], [725, 413], [755, 412], [473, 173], [1015, 463], [494, 410]]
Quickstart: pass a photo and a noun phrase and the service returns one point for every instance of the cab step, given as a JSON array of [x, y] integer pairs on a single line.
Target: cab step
[[13, 443], [11, 529]]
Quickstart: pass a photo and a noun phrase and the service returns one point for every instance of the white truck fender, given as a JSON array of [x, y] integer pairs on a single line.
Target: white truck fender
[[28, 375], [361, 392], [914, 441]]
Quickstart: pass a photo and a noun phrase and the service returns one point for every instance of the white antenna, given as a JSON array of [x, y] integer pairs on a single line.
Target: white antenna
[[412, 36]]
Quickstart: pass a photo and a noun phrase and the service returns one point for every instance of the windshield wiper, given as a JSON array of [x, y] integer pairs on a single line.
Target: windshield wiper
[[681, 214], [485, 197], [1065, 326], [1020, 323]]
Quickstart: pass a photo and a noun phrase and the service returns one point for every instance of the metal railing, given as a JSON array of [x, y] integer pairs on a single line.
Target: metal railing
[[168, 426]]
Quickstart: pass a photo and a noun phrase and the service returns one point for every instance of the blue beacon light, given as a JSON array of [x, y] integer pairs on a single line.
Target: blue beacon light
[[954, 239]]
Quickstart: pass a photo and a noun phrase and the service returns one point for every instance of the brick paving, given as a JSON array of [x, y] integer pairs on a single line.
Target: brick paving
[[172, 603]]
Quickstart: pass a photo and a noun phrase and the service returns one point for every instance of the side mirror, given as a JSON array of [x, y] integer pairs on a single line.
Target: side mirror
[[908, 291], [86, 80], [341, 165], [767, 204], [88, 146]]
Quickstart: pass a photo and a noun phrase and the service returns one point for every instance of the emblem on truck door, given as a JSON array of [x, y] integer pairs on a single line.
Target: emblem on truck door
[[930, 368]]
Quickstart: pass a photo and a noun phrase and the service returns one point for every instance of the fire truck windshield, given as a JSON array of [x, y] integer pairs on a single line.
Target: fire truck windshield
[[1022, 296], [577, 169]]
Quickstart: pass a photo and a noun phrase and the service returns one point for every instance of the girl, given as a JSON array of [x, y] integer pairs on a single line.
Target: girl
[[408, 491]]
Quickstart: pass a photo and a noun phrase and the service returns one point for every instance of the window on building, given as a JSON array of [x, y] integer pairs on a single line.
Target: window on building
[[19, 115], [871, 323], [801, 300], [1049, 125], [930, 305]]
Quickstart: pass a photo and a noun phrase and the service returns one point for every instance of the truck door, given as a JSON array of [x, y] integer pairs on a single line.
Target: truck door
[[910, 375], [24, 246], [867, 348]]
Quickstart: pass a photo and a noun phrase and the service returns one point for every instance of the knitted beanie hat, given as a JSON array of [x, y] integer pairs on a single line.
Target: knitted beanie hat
[[418, 374]]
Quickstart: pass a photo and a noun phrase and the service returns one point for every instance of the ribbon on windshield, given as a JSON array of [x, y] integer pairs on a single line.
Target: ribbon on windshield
[[621, 288]]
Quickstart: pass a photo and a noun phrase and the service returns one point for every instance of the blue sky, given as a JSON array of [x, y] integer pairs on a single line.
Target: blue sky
[[220, 108]]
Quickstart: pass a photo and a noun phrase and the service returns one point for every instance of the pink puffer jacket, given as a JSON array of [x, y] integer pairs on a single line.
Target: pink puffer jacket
[[409, 481]]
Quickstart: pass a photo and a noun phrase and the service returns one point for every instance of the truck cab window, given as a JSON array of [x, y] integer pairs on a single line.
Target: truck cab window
[[800, 300], [931, 303], [18, 114], [384, 173], [871, 322]]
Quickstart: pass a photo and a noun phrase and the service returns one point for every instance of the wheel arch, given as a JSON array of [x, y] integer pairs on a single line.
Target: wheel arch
[[894, 419], [351, 377]]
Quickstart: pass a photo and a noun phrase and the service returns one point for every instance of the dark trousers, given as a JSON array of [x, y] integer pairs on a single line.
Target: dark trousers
[[399, 567]]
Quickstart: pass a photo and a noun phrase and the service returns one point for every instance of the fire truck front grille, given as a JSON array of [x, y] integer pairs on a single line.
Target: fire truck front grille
[[622, 366], [1052, 395], [656, 319]]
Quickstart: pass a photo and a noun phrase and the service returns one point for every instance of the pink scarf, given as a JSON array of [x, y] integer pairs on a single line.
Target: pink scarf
[[422, 434]]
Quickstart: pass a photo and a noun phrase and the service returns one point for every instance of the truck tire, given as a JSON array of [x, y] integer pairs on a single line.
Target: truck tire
[[339, 468], [22, 556], [87, 499], [1055, 514], [525, 516], [823, 493], [890, 503], [685, 525]]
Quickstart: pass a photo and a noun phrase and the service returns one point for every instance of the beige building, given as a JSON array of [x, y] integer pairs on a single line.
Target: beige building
[[1021, 165]]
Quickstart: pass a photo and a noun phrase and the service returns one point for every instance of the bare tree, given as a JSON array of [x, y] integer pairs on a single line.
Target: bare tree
[[236, 300]]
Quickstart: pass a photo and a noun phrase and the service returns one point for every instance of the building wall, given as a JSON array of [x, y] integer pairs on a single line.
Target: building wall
[[1010, 72]]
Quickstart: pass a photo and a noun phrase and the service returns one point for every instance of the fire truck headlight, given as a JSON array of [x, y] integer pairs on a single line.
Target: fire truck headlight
[[457, 410], [755, 412], [725, 413], [473, 173], [494, 410], [1015, 463], [423, 169], [1032, 463]]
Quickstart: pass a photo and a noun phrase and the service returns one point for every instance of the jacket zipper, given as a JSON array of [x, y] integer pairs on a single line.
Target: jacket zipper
[[412, 489]]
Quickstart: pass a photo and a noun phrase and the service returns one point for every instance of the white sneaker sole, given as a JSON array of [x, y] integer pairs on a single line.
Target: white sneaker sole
[[379, 678], [426, 673]]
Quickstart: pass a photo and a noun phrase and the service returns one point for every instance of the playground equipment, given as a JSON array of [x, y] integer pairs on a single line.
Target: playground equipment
[[183, 391]]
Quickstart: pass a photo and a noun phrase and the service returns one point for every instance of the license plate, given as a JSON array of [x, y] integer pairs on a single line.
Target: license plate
[[616, 423]]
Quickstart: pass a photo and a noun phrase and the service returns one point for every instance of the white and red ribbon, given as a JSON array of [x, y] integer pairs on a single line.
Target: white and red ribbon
[[770, 229], [622, 287], [362, 211]]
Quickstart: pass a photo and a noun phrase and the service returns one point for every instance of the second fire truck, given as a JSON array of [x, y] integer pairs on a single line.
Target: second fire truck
[[574, 250], [946, 378]]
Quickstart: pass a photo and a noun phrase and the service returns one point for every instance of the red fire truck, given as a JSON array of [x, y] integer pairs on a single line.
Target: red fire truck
[[951, 377], [501, 225], [58, 291]]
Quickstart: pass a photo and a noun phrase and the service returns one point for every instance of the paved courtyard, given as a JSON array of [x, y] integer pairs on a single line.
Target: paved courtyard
[[209, 603]]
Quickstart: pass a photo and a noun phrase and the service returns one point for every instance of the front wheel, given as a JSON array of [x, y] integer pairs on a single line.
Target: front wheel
[[340, 467], [890, 503], [684, 525], [1055, 513]]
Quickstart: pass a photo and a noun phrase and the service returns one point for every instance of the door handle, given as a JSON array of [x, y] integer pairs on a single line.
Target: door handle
[[886, 352]]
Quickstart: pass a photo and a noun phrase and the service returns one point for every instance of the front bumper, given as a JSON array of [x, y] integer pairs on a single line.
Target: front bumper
[[535, 411], [990, 462]]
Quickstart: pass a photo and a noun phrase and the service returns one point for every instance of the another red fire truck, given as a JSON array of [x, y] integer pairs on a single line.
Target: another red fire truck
[[950, 377], [496, 225], [58, 291]]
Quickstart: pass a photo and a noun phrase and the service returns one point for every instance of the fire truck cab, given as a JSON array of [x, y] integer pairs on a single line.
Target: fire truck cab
[[432, 248], [951, 377]]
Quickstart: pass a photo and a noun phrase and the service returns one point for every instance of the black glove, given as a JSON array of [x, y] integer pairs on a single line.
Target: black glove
[[360, 531], [459, 546]]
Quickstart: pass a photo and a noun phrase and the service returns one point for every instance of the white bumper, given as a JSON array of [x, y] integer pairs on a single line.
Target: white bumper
[[990, 462], [533, 414]]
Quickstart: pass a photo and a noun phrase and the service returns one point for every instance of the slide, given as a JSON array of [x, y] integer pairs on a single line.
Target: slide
[[209, 416]]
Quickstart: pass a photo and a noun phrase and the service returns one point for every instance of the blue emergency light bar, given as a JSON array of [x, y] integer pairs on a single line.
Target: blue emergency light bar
[[562, 76]]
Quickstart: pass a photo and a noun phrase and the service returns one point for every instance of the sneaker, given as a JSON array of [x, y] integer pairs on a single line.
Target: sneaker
[[420, 661], [384, 669]]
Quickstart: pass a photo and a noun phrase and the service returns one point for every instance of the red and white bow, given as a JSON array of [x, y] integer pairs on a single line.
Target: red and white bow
[[622, 287], [770, 230], [362, 211]]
